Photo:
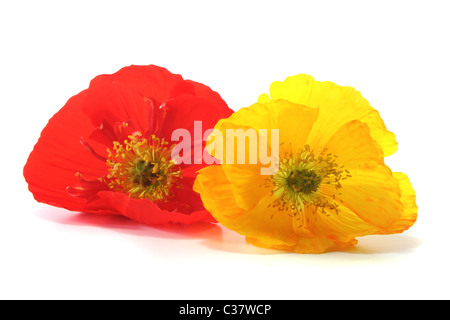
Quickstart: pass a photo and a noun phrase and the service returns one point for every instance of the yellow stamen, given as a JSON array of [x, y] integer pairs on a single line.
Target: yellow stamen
[[143, 168], [306, 180]]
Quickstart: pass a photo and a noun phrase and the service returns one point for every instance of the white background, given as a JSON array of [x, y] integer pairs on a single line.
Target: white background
[[395, 52]]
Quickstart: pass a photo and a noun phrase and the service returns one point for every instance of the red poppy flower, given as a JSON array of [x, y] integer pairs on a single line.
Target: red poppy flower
[[108, 150]]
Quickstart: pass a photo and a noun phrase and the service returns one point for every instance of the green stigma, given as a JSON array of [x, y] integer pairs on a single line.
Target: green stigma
[[303, 181]]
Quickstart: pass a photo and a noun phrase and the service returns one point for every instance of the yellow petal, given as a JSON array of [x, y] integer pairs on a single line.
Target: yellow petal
[[307, 245], [343, 225], [408, 199], [215, 191], [293, 121], [263, 222], [263, 98], [347, 224], [247, 184], [337, 105], [243, 167], [371, 192]]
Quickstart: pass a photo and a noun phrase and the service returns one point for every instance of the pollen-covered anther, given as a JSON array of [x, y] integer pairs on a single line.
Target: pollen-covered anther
[[143, 168], [306, 179]]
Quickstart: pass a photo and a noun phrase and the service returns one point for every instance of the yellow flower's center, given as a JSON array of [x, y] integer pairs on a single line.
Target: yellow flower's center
[[143, 168], [303, 181], [306, 179]]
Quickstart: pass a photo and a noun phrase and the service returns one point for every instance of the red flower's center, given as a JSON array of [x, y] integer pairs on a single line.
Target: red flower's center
[[143, 168]]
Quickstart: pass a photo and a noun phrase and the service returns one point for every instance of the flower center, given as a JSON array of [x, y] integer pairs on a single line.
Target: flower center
[[143, 168], [306, 179], [303, 181]]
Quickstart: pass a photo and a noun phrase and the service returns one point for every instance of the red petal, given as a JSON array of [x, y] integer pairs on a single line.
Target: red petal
[[182, 113], [139, 93], [129, 94], [58, 156], [205, 92], [147, 212]]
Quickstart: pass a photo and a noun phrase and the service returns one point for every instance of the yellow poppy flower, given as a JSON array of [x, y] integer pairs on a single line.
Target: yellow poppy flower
[[331, 184]]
